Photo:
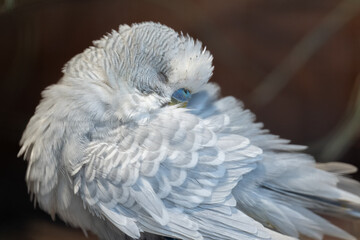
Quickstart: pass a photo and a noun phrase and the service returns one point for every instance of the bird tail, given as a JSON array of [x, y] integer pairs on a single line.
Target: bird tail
[[347, 204], [293, 190]]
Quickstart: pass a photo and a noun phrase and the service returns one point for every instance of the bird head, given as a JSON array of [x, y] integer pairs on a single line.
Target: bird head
[[138, 69]]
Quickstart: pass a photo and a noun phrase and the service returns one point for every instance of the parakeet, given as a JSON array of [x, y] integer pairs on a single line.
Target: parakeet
[[133, 142]]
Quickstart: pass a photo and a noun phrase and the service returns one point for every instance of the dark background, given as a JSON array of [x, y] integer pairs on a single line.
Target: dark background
[[295, 63]]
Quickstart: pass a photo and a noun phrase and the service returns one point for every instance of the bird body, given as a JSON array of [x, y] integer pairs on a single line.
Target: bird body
[[108, 153]]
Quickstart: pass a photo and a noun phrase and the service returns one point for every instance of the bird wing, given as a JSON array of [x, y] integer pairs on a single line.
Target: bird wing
[[286, 186], [170, 174]]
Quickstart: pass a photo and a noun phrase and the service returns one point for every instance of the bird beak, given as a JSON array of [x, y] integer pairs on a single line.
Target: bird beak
[[178, 103]]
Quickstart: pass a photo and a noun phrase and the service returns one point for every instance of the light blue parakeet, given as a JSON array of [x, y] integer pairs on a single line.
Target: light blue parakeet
[[134, 142]]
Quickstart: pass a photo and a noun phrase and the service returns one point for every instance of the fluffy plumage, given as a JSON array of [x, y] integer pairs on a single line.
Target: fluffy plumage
[[108, 154]]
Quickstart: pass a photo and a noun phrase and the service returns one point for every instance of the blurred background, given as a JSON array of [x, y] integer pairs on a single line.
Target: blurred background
[[295, 63]]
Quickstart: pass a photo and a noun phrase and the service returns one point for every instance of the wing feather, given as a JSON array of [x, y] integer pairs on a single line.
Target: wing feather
[[153, 176], [145, 196]]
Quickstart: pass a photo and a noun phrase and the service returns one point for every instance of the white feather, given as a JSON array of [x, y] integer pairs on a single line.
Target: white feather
[[107, 154]]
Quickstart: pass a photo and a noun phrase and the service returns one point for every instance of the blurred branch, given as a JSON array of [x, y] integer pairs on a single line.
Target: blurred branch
[[7, 5], [347, 131], [303, 51]]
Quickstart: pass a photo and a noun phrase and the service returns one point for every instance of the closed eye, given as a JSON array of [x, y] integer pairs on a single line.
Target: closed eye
[[162, 77]]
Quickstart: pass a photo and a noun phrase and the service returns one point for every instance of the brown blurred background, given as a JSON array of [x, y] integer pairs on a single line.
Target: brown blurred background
[[295, 63]]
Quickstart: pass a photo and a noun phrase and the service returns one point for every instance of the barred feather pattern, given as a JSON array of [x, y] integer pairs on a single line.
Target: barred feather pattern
[[166, 170], [108, 154]]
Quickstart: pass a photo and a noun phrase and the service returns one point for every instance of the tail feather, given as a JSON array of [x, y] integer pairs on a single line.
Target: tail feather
[[317, 226], [324, 224], [337, 167], [214, 223], [349, 185], [285, 194], [346, 205]]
